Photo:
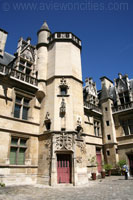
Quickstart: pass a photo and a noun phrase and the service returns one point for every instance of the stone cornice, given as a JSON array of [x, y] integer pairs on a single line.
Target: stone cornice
[[97, 144], [85, 134], [19, 120], [18, 132], [125, 137], [65, 76], [125, 145]]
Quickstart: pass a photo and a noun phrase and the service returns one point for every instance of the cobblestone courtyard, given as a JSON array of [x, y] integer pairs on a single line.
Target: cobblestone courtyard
[[114, 187]]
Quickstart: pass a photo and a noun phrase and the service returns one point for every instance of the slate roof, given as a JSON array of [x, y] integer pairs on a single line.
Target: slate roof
[[111, 93], [6, 59], [45, 27], [131, 84]]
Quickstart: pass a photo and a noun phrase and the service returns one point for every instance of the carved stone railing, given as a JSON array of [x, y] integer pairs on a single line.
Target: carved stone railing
[[92, 107], [123, 107], [18, 75], [65, 36]]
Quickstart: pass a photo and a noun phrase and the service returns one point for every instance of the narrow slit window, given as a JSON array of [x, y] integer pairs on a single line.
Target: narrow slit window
[[107, 123]]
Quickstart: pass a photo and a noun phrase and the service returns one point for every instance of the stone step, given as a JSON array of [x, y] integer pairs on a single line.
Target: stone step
[[64, 185]]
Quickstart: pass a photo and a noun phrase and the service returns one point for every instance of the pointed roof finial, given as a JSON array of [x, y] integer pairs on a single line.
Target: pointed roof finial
[[45, 26]]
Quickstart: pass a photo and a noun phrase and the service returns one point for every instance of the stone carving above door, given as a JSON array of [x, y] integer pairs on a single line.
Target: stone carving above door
[[64, 141]]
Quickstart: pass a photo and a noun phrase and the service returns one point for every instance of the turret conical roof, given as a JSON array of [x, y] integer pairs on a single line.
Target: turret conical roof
[[45, 26]]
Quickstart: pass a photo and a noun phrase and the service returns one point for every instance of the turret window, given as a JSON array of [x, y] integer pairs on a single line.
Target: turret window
[[106, 109], [108, 153], [107, 123], [109, 137], [116, 151]]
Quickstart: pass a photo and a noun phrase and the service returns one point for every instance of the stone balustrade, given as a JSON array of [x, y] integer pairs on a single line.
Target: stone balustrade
[[65, 36], [92, 107], [18, 75], [123, 107]]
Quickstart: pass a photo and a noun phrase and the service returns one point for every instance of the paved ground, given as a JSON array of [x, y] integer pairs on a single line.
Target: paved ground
[[111, 188]]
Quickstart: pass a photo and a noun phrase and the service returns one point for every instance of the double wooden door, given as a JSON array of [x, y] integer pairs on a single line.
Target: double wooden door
[[63, 168]]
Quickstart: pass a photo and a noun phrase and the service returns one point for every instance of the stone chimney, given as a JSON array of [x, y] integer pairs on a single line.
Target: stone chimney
[[3, 37]]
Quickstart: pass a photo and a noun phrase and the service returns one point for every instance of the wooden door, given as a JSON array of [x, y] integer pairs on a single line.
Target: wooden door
[[131, 164], [99, 161], [63, 168]]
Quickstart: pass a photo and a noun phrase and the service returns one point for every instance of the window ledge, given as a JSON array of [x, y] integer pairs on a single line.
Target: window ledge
[[65, 95], [19, 166], [79, 139], [89, 135], [88, 123], [91, 166], [37, 107]]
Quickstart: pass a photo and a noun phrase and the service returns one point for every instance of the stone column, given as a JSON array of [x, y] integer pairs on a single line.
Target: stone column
[[53, 163], [74, 162]]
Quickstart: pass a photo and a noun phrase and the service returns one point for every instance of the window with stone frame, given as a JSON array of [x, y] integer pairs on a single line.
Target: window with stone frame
[[63, 87], [21, 107], [124, 97], [127, 126], [63, 90], [25, 66], [18, 149], [97, 128]]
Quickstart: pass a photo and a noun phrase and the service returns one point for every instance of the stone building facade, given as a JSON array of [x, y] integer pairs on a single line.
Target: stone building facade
[[52, 129]]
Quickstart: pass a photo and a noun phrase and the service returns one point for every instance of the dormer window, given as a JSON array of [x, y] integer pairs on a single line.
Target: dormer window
[[21, 68], [22, 62], [25, 66], [124, 98], [29, 64], [28, 71]]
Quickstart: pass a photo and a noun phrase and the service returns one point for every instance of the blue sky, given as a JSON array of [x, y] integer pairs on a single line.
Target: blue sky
[[104, 26]]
